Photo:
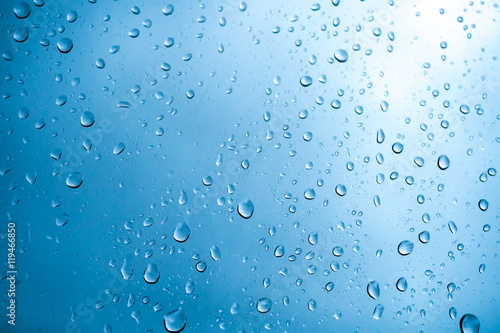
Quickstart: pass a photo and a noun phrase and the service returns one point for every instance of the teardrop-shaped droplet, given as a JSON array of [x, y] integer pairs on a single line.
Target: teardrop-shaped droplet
[[127, 270], [264, 305], [424, 237], [182, 232], [279, 251], [151, 274], [380, 136], [443, 162], [74, 180], [119, 148], [313, 238], [175, 321], [401, 284], [309, 194], [469, 323], [373, 289], [62, 219], [405, 248], [65, 45], [246, 208]]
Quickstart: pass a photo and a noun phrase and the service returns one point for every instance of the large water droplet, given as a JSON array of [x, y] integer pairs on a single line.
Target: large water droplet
[[378, 311], [215, 253], [405, 248], [182, 232], [483, 204], [21, 34], [309, 194], [175, 321], [443, 162], [119, 148], [62, 219], [168, 10], [424, 237], [264, 305], [151, 274], [65, 45], [22, 10], [373, 289], [306, 81], [401, 284], [340, 190], [245, 208], [469, 323], [87, 119], [397, 147], [74, 180], [341, 55]]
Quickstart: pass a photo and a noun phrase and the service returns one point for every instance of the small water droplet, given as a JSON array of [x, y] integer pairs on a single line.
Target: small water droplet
[[264, 305], [175, 321]]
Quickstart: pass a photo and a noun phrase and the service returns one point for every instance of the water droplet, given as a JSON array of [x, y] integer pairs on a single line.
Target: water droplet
[[424, 237], [380, 136], [309, 194], [100, 63], [74, 180], [340, 190], [469, 323], [378, 311], [373, 289], [464, 109], [401, 284], [245, 208], [201, 266], [87, 119], [151, 274], [22, 10], [175, 321], [483, 204], [405, 248], [134, 33], [71, 16], [279, 251], [127, 269], [215, 253], [264, 305], [338, 251], [119, 148], [397, 147], [65, 45], [482, 268], [313, 238], [306, 81], [21, 34], [443, 162], [168, 10], [62, 219], [341, 55], [182, 232], [207, 181]]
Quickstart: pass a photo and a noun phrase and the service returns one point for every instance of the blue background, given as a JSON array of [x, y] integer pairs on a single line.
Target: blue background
[[70, 277]]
